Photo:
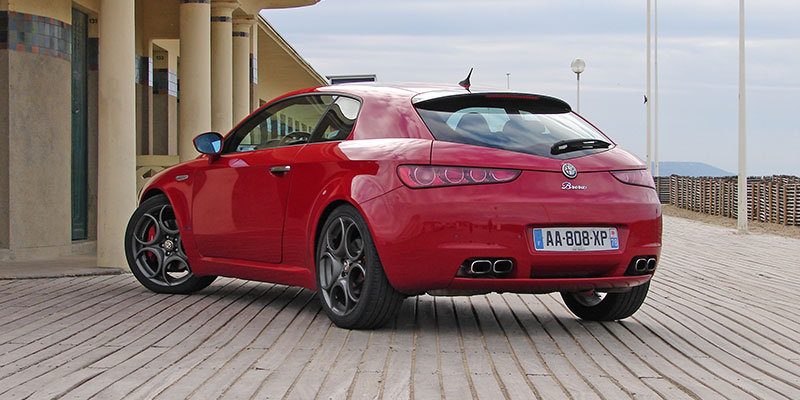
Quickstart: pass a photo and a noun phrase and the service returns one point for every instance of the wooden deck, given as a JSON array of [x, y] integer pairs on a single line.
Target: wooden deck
[[721, 321]]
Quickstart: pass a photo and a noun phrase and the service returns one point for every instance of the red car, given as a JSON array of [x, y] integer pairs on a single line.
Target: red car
[[371, 193]]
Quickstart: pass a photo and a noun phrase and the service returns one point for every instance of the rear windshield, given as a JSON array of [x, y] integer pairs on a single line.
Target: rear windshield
[[525, 124]]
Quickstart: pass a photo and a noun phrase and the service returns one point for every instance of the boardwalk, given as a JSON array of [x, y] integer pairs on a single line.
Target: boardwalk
[[721, 321]]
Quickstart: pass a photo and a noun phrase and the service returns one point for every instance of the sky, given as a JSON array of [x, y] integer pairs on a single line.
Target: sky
[[536, 40]]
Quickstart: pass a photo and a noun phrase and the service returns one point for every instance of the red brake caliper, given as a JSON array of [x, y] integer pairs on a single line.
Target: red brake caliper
[[151, 233]]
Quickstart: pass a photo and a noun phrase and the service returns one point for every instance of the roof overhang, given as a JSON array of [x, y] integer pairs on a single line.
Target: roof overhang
[[290, 52], [254, 6]]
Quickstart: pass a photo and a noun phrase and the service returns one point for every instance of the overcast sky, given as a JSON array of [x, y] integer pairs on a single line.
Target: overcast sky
[[535, 41]]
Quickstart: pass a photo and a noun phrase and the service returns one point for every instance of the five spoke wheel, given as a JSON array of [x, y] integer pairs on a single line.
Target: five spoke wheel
[[155, 250], [351, 283], [157, 247], [342, 271]]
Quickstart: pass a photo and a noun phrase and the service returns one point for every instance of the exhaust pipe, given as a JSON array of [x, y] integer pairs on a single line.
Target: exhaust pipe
[[502, 266], [480, 267], [651, 264], [641, 264]]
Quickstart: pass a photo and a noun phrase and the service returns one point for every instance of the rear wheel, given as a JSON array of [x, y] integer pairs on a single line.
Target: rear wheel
[[594, 306], [352, 286], [154, 250]]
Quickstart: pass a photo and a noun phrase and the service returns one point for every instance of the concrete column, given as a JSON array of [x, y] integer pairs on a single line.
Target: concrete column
[[241, 67], [35, 134], [144, 101], [116, 195], [254, 99], [162, 114], [172, 81], [222, 65], [194, 73]]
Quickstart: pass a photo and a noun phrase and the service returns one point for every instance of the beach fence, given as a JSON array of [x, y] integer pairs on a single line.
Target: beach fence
[[774, 199]]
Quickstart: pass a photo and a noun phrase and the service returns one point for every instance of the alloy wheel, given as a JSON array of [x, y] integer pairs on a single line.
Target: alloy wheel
[[342, 270], [157, 247]]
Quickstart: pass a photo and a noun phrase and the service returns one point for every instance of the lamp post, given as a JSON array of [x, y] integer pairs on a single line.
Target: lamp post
[[655, 88], [578, 66], [508, 80], [742, 195], [647, 95]]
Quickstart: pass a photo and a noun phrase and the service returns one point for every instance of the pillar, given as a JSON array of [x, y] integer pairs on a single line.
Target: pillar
[[254, 99], [241, 67], [116, 195], [194, 73], [161, 101], [222, 65], [165, 97], [143, 68], [35, 132]]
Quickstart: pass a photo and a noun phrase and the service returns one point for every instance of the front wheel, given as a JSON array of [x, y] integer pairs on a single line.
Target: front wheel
[[594, 306], [351, 284], [154, 250]]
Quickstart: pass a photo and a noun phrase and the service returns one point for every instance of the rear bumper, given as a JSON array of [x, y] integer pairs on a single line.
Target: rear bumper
[[423, 236], [546, 285]]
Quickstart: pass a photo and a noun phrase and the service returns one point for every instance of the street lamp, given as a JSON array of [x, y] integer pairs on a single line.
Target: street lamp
[[508, 80], [578, 66], [742, 189]]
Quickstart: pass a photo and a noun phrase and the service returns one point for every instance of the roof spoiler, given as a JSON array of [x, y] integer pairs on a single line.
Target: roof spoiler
[[448, 100]]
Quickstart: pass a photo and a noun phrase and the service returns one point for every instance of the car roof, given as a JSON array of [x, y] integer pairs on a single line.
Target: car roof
[[409, 90], [416, 92]]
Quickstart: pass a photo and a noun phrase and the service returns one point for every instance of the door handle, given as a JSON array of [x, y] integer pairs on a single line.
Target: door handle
[[280, 169]]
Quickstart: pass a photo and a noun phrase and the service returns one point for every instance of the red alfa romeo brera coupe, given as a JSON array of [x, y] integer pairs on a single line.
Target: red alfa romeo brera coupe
[[371, 193]]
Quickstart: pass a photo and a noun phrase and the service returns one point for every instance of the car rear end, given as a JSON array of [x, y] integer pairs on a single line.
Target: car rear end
[[521, 195]]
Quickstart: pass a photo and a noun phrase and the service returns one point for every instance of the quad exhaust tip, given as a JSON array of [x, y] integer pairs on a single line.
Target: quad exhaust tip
[[480, 267], [499, 266], [645, 264], [502, 266], [641, 265]]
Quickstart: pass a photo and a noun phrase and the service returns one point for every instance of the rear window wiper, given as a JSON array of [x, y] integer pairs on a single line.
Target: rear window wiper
[[566, 146]]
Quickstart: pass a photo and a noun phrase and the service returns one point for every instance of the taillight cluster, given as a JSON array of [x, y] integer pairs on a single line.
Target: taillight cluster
[[639, 177], [425, 176]]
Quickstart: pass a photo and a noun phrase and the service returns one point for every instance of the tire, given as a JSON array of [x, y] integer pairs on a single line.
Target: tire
[[155, 253], [351, 283], [614, 306]]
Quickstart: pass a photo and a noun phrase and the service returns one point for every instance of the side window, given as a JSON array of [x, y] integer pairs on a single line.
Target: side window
[[283, 124], [338, 122]]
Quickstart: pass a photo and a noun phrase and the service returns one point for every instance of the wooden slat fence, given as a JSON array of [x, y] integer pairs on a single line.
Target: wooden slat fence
[[774, 199]]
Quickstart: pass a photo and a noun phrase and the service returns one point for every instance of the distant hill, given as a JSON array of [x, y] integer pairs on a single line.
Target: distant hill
[[667, 168]]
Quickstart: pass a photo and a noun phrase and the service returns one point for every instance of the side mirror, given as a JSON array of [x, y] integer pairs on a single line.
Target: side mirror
[[208, 143]]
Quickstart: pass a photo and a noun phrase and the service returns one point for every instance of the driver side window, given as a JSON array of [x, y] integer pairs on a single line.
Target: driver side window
[[286, 123]]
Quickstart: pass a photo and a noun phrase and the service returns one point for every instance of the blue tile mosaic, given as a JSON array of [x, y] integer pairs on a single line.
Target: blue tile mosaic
[[35, 34]]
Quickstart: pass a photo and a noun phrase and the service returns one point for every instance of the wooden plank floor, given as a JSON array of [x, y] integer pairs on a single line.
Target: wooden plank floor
[[721, 321]]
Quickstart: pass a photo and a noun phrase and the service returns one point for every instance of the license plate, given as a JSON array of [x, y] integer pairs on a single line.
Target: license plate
[[575, 239]]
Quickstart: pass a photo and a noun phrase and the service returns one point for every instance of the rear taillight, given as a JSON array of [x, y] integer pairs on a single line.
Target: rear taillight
[[425, 176], [639, 177]]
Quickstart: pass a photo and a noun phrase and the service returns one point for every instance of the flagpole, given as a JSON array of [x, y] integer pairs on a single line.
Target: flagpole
[[647, 96]]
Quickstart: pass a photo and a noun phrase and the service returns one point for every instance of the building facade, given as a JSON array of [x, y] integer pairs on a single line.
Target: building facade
[[97, 95]]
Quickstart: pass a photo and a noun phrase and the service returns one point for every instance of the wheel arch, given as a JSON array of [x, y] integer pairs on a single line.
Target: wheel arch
[[321, 221], [152, 192]]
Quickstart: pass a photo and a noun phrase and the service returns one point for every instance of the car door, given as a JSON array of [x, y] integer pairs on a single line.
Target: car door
[[239, 200]]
